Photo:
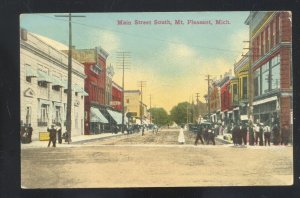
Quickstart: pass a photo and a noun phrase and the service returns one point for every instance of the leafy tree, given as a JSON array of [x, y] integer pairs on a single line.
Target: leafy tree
[[159, 116], [179, 113]]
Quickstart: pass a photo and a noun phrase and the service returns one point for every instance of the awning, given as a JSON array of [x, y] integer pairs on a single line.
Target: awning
[[30, 72], [43, 76], [57, 82], [96, 116], [117, 116], [264, 100], [80, 90]]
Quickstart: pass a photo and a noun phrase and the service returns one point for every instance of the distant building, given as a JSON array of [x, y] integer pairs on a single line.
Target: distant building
[[43, 86], [134, 107]]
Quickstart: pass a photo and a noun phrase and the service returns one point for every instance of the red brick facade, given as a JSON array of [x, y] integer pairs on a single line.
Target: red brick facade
[[117, 95]]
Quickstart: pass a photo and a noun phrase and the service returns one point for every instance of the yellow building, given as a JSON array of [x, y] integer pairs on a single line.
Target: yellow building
[[239, 87], [133, 105]]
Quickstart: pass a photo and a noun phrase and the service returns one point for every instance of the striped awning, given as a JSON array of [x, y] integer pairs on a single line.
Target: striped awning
[[96, 116], [117, 116]]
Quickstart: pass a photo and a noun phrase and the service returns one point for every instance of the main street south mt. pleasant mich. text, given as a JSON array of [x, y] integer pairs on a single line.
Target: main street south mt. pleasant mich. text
[[175, 22]]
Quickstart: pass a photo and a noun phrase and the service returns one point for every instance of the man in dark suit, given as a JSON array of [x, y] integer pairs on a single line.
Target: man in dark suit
[[199, 135], [52, 136], [29, 132]]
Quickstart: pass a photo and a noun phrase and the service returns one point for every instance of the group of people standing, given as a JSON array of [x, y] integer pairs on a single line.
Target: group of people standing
[[259, 134], [26, 133], [55, 132], [205, 134]]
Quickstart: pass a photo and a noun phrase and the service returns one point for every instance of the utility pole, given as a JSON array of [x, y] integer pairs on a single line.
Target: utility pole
[[69, 90], [142, 84], [197, 107], [150, 111], [208, 95], [123, 64]]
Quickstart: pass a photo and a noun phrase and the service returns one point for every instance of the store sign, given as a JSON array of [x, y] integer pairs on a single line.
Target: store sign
[[44, 136]]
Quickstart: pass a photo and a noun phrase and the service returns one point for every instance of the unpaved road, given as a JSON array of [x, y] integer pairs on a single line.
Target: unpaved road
[[135, 161]]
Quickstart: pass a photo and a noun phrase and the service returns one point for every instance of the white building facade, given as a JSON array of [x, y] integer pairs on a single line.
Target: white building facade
[[43, 86]]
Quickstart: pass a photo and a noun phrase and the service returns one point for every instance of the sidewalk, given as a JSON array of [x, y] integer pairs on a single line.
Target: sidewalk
[[75, 140]]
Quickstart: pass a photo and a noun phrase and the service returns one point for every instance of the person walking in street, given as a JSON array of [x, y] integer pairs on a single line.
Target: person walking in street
[[276, 135], [29, 133], [244, 133], [58, 129], [199, 135], [181, 139], [235, 132], [211, 135], [251, 134], [52, 136], [256, 133], [267, 135], [285, 134], [260, 134]]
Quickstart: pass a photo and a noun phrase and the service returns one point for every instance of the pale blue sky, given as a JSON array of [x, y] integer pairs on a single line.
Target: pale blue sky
[[171, 58]]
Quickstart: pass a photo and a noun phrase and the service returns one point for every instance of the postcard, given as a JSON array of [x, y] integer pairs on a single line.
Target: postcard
[[156, 99]]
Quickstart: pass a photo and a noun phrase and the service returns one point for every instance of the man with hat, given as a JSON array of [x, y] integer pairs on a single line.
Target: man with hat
[[52, 136]]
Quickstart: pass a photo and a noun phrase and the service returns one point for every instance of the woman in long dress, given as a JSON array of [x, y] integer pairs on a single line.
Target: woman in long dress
[[181, 139]]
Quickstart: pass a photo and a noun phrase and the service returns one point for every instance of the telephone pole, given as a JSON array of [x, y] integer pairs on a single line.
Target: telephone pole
[[69, 90], [208, 95], [142, 84], [150, 111], [123, 63]]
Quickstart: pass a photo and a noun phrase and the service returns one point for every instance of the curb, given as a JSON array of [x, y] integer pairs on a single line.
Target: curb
[[96, 139]]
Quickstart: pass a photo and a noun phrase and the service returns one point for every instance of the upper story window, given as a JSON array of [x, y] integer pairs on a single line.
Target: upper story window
[[96, 69]]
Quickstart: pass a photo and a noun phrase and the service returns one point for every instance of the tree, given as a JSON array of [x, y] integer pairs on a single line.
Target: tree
[[180, 111], [159, 116]]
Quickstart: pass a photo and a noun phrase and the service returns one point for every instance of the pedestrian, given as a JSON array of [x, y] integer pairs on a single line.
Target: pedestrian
[[244, 133], [211, 135], [205, 134], [239, 135], [22, 133], [199, 135], [256, 133], [267, 135], [181, 139], [251, 134], [285, 134], [29, 133], [52, 136], [58, 129], [276, 135], [143, 129], [260, 134], [235, 132]]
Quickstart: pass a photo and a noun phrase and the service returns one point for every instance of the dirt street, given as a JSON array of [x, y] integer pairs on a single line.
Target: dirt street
[[154, 160]]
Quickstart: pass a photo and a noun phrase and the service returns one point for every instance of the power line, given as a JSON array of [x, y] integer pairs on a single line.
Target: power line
[[142, 84]]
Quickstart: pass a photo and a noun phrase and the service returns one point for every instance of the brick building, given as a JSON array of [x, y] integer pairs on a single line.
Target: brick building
[[117, 96], [271, 65], [94, 61]]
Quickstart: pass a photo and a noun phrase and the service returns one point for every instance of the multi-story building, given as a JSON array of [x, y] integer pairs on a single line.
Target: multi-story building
[[134, 106], [117, 96], [108, 87], [94, 61], [226, 109], [240, 96], [215, 102], [271, 65], [43, 86]]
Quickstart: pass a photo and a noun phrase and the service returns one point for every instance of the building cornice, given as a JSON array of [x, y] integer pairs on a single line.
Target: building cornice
[[43, 55]]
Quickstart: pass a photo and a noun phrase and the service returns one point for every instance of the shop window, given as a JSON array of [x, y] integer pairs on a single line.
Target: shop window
[[43, 121], [245, 90], [28, 115], [265, 78], [56, 88], [257, 82], [275, 72]]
